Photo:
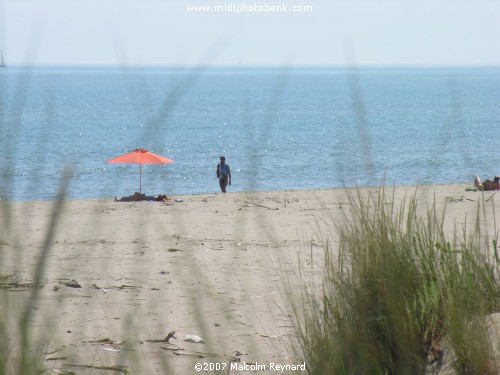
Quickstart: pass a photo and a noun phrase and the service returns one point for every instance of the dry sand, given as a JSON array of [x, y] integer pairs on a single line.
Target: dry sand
[[213, 266]]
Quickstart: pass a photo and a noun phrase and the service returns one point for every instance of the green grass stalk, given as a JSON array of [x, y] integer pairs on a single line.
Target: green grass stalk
[[397, 292]]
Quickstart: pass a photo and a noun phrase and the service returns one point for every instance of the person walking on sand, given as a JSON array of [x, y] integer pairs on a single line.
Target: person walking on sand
[[223, 174]]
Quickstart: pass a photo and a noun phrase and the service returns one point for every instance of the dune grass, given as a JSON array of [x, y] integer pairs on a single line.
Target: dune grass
[[398, 293]]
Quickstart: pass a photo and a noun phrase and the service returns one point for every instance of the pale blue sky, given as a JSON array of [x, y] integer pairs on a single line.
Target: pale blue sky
[[368, 32]]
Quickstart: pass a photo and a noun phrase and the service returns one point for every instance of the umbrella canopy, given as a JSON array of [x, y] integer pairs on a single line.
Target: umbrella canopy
[[140, 156]]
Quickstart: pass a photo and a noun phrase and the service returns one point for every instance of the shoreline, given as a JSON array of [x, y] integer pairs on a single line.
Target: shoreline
[[424, 186]]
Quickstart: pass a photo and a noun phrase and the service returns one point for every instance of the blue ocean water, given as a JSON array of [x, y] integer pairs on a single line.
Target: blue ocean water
[[279, 128]]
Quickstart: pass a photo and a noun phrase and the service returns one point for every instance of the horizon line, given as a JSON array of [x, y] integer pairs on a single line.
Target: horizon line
[[275, 65]]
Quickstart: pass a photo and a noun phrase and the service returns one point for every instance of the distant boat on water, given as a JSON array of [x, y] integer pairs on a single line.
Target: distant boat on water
[[2, 61]]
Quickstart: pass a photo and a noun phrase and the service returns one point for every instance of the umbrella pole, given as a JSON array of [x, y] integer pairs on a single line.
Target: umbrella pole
[[140, 178]]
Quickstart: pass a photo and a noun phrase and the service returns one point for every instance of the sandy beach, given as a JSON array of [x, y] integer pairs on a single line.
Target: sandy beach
[[119, 276]]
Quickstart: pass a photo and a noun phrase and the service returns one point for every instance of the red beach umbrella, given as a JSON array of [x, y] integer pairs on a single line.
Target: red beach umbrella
[[140, 156]]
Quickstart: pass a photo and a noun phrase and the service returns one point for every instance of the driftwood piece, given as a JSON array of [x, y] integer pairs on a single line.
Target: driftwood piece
[[260, 205], [116, 368], [454, 200], [171, 335]]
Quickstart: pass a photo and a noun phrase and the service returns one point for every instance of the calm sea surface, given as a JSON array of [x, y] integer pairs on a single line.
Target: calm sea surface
[[279, 128]]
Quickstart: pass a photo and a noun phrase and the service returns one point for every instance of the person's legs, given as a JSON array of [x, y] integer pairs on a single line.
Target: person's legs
[[478, 184], [223, 183]]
